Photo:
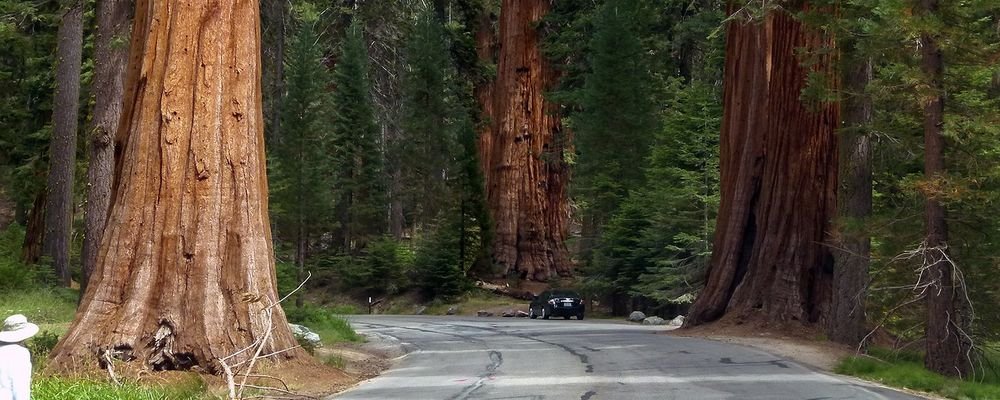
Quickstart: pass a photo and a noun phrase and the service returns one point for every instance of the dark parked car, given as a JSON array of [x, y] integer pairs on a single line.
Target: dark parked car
[[556, 302]]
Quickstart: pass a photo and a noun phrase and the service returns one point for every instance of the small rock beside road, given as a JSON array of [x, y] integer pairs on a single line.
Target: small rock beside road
[[654, 320], [484, 313], [305, 334], [508, 314], [677, 321], [636, 316], [452, 311]]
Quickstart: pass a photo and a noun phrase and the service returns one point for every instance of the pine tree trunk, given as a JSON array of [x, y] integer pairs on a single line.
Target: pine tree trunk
[[853, 246], [274, 17], [109, 74], [186, 269], [62, 148], [526, 175], [852, 254], [34, 231], [947, 344], [778, 160]]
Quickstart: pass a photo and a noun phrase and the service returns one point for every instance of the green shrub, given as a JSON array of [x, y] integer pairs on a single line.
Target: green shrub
[[382, 269], [16, 274]]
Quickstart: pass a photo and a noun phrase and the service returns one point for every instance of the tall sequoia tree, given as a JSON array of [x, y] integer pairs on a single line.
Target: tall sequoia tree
[[185, 269], [109, 75], [527, 175], [62, 149], [778, 161]]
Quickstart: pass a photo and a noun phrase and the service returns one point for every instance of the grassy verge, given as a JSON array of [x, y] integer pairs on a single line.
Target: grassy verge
[[331, 328], [50, 388], [474, 300], [906, 370]]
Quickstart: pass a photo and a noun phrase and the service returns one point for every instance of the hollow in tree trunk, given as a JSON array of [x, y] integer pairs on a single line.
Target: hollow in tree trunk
[[527, 175], [62, 148], [778, 160], [109, 75], [186, 267]]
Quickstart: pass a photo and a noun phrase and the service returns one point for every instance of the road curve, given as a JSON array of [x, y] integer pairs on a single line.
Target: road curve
[[457, 358]]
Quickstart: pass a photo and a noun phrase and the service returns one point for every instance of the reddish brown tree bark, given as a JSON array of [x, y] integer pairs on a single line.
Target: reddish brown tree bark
[[948, 345], [62, 148], [185, 269], [109, 75], [486, 49], [526, 173], [779, 176]]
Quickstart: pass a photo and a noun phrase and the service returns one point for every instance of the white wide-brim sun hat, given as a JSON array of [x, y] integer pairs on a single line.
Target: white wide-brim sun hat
[[16, 329]]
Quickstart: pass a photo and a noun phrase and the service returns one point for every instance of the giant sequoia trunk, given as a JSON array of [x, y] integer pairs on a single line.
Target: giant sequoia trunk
[[948, 342], [526, 174], [62, 149], [185, 269], [486, 48], [109, 76], [779, 175]]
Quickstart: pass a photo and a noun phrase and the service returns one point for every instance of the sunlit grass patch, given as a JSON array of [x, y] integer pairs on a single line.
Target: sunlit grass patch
[[906, 370]]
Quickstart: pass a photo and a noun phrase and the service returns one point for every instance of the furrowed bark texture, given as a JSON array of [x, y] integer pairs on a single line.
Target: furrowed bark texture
[[527, 176], [62, 148], [779, 176], [948, 348], [852, 246], [110, 58], [486, 49], [185, 268]]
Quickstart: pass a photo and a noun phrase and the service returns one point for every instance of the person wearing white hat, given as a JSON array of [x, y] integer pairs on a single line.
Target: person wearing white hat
[[15, 359]]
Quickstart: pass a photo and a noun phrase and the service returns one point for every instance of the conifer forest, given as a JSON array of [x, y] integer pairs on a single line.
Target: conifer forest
[[820, 166]]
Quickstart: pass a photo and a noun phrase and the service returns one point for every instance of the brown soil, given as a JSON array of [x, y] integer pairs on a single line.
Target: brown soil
[[805, 345]]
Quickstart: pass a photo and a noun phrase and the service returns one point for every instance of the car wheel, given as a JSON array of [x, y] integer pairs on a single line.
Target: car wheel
[[579, 316], [545, 314], [531, 313]]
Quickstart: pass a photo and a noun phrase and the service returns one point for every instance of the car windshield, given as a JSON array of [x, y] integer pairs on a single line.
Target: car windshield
[[564, 293]]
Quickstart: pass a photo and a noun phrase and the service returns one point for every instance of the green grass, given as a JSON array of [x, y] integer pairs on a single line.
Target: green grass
[[906, 370], [331, 328], [47, 388], [48, 307], [474, 300]]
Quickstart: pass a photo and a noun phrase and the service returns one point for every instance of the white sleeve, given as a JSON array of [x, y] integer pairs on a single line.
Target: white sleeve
[[21, 376]]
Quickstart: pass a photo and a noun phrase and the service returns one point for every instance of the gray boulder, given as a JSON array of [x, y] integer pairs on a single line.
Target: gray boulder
[[654, 320], [484, 313], [508, 314], [306, 335], [636, 316], [452, 310], [677, 321]]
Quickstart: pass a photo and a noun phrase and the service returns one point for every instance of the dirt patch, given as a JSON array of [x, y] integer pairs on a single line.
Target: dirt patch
[[801, 344]]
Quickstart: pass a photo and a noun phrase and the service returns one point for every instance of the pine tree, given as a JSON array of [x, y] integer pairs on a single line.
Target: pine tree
[[429, 148], [357, 142], [616, 124], [301, 186]]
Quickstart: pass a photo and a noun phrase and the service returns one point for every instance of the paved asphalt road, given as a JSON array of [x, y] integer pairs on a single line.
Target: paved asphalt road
[[508, 358]]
